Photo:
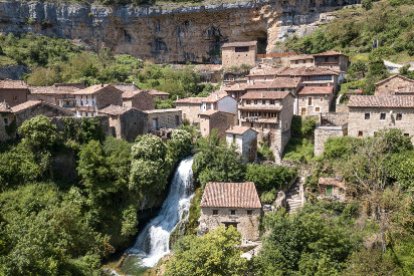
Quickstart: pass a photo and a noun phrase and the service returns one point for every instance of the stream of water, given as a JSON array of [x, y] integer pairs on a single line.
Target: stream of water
[[153, 242]]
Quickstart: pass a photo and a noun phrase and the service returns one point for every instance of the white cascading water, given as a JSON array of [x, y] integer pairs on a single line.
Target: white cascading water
[[153, 242]]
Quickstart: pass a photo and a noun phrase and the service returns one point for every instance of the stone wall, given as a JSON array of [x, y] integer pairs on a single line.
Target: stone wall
[[323, 133], [220, 121], [319, 104], [358, 126], [169, 34], [247, 225], [167, 118], [190, 112]]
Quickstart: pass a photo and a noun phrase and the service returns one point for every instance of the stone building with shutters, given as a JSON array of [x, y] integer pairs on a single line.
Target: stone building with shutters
[[231, 204], [13, 92], [332, 188], [370, 114], [313, 100], [216, 120], [163, 119], [395, 84]]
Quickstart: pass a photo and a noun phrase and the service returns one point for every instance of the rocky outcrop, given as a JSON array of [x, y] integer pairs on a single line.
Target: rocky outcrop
[[174, 35]]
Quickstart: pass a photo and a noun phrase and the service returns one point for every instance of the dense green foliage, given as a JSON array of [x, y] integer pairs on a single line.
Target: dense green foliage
[[268, 177], [215, 253], [300, 146], [58, 228], [317, 241]]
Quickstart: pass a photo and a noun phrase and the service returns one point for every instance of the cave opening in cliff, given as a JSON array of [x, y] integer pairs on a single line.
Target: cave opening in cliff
[[261, 45]]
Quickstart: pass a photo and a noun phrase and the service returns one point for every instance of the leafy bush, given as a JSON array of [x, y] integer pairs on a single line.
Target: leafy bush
[[268, 197], [269, 177]]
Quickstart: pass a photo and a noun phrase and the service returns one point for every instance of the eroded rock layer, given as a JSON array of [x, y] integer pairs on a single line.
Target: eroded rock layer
[[175, 35]]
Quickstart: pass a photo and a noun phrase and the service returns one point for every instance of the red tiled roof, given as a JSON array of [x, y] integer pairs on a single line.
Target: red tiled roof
[[25, 105], [307, 71], [132, 93], [96, 89], [239, 44], [208, 113], [230, 195], [269, 95], [214, 97], [240, 130], [235, 87], [56, 90], [12, 84], [157, 93], [392, 77], [264, 71], [393, 101], [278, 82], [115, 109], [190, 100], [316, 90]]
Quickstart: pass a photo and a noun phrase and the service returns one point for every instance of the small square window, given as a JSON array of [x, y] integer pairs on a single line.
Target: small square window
[[398, 117], [272, 101], [263, 101], [367, 116], [249, 212], [382, 116], [360, 134], [232, 212], [317, 109], [215, 212]]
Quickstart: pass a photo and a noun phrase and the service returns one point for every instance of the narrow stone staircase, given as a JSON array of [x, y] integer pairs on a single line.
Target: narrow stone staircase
[[295, 197]]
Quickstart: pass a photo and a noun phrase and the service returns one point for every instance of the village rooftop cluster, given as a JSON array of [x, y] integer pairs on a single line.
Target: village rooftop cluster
[[248, 110]]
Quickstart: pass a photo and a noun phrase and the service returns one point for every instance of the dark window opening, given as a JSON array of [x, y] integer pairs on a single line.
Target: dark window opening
[[232, 212], [406, 135], [367, 116], [249, 212], [398, 117], [215, 212], [360, 134], [382, 116], [241, 49], [177, 120]]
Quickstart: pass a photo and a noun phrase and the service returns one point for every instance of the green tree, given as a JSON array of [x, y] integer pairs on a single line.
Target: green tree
[[38, 133], [268, 177], [215, 253]]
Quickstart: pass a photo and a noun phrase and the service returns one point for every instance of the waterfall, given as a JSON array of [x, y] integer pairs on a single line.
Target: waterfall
[[153, 242]]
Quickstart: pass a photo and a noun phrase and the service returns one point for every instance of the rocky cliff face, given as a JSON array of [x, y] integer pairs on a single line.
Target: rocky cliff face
[[177, 35]]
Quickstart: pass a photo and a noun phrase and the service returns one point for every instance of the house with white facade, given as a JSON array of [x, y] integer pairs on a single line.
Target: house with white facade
[[245, 140]]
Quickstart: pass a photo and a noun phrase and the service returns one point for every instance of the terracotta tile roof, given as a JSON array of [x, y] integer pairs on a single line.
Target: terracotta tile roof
[[268, 95], [316, 90], [12, 84], [5, 108], [239, 44], [235, 87], [132, 93], [215, 97], [329, 53], [190, 100], [167, 110], [230, 195], [392, 77], [23, 106], [278, 82], [57, 90], [239, 130], [300, 57], [331, 181], [264, 71], [208, 113], [307, 71], [392, 101], [96, 89], [115, 110]]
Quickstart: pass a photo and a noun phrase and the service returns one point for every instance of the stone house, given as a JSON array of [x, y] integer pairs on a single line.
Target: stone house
[[158, 94], [370, 114], [190, 108], [219, 101], [396, 84], [313, 100], [332, 59], [331, 188], [235, 54], [163, 119], [301, 61], [125, 122], [231, 204], [13, 117], [215, 119], [245, 140], [263, 73], [235, 90], [139, 99], [13, 92], [60, 94], [313, 75], [330, 125], [269, 113], [95, 97]]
